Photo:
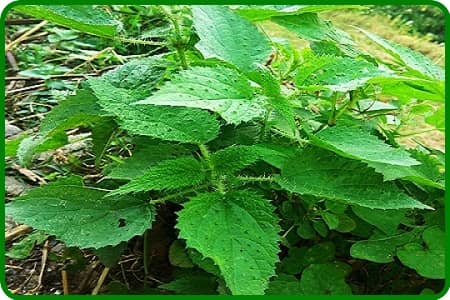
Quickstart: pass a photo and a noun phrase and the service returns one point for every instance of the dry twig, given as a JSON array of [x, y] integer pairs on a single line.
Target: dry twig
[[65, 282], [86, 277], [25, 36], [43, 263], [100, 281], [16, 232], [29, 174]]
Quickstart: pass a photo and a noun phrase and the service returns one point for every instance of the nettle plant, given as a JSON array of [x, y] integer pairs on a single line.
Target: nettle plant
[[282, 164]]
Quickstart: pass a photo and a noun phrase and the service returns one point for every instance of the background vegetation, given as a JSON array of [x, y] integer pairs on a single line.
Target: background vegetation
[[45, 64]]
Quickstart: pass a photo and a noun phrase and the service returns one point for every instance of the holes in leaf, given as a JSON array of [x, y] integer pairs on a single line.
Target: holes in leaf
[[122, 223]]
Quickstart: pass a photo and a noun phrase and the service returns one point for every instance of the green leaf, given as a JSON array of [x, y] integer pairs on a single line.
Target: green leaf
[[275, 154], [188, 125], [147, 154], [110, 255], [285, 111], [321, 228], [84, 18], [102, 133], [234, 158], [382, 249], [325, 279], [293, 263], [204, 263], [427, 173], [339, 74], [330, 219], [284, 284], [22, 249], [385, 220], [36, 144], [323, 174], [429, 260], [407, 57], [219, 89], [335, 207], [139, 75], [266, 79], [76, 110], [369, 106], [354, 142], [178, 255], [321, 48], [265, 12], [292, 211], [12, 146], [346, 224], [192, 283], [305, 230], [427, 291], [239, 232], [167, 175], [310, 27], [226, 35], [405, 89], [299, 258], [81, 216], [437, 119]]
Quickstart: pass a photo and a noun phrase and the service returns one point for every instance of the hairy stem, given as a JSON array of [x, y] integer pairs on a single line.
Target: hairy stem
[[213, 174], [179, 43], [255, 179], [301, 141], [332, 118], [138, 42], [348, 106], [265, 128]]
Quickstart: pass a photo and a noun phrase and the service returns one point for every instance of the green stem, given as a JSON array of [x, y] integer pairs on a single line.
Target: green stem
[[332, 118], [214, 178], [139, 42], [265, 127], [349, 105], [287, 231], [255, 179], [179, 43], [301, 141], [145, 256], [182, 56]]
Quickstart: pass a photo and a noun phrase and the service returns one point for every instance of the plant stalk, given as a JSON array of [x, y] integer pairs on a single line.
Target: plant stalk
[[214, 177], [179, 43], [265, 128], [349, 105], [332, 118], [145, 256], [255, 179]]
